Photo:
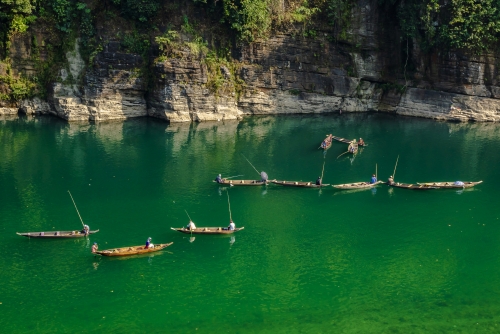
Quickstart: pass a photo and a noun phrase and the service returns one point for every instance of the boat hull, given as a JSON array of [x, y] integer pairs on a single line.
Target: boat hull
[[299, 184], [242, 183], [346, 141], [132, 250], [410, 186], [356, 185], [55, 234], [207, 230], [450, 185]]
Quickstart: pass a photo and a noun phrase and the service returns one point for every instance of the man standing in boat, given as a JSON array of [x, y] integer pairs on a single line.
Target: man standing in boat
[[390, 181], [318, 181], [231, 226], [373, 179]]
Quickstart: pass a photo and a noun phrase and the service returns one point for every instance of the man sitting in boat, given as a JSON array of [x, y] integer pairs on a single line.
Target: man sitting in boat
[[191, 226], [318, 181], [218, 179], [323, 144], [458, 183], [263, 177], [95, 247], [231, 226], [373, 179], [149, 244], [390, 180], [86, 230]]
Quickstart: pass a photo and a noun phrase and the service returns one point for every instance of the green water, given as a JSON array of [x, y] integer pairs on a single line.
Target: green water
[[309, 261]]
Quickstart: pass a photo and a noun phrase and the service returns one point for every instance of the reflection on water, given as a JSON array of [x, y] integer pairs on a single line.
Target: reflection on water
[[306, 262]]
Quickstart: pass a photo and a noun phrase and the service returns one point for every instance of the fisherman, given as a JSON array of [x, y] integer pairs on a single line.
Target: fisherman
[[459, 183], [390, 181], [263, 177], [149, 244], [231, 226], [95, 247], [191, 226], [373, 179], [361, 142], [323, 144], [218, 179], [318, 181], [86, 230]]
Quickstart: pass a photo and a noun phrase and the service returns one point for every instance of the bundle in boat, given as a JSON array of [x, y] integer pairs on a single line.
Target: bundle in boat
[[451, 185], [299, 184], [207, 230], [243, 182], [347, 141], [411, 186], [56, 234], [356, 185], [132, 250]]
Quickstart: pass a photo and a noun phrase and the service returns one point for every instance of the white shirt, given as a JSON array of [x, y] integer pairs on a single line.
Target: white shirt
[[232, 226], [191, 225]]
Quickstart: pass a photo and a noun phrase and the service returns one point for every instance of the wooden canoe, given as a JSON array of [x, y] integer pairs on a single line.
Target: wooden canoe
[[132, 250], [449, 185], [299, 184], [347, 141], [356, 185], [207, 230], [55, 234], [242, 182], [353, 148], [410, 186], [328, 143]]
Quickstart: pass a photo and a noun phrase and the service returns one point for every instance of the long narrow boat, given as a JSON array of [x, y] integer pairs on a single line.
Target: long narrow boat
[[243, 182], [353, 148], [347, 141], [56, 234], [299, 184], [207, 230], [411, 186], [132, 250], [328, 141], [356, 185], [450, 185]]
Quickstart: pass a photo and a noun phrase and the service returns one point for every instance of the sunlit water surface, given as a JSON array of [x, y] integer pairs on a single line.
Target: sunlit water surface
[[309, 260]]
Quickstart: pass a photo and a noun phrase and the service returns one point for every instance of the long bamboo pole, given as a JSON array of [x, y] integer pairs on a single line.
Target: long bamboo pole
[[229, 205], [251, 164], [394, 174], [76, 208]]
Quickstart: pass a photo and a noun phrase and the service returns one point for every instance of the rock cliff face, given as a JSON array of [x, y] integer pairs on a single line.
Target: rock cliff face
[[281, 75]]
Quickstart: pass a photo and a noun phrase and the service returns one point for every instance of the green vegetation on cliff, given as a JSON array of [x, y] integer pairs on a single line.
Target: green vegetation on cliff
[[215, 29]]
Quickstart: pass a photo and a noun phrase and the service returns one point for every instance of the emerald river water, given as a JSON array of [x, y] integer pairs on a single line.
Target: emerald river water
[[384, 260]]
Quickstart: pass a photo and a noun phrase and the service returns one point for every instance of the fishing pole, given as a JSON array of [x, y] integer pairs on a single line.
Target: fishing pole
[[76, 209], [394, 174], [250, 164], [229, 205]]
